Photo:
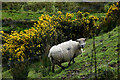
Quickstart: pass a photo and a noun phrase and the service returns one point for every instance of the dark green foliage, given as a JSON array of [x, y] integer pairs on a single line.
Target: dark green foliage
[[20, 71], [12, 5], [54, 6], [104, 74]]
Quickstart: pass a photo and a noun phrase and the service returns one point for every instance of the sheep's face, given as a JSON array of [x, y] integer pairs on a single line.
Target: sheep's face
[[81, 42]]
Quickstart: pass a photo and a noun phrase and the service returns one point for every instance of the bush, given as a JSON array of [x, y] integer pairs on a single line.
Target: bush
[[106, 73], [74, 28], [20, 71], [12, 5], [112, 17], [24, 45]]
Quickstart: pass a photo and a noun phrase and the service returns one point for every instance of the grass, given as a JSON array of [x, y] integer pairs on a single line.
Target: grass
[[9, 29], [0, 58], [106, 56], [20, 15], [0, 71], [98, 14], [14, 15], [6, 74]]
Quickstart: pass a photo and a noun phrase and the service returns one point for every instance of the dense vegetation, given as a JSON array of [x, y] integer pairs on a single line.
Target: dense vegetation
[[25, 51]]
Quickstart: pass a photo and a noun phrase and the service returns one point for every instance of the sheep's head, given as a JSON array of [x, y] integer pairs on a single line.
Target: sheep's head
[[81, 42]]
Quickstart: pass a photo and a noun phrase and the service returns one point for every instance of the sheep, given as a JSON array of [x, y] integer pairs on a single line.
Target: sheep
[[66, 52]]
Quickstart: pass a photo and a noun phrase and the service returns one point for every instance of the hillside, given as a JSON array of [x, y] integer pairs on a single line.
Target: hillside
[[106, 55]]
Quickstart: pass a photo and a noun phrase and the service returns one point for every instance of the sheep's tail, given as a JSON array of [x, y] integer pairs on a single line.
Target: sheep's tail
[[50, 57]]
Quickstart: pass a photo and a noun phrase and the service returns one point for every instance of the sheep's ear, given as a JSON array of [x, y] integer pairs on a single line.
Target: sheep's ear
[[73, 39], [77, 40], [85, 39]]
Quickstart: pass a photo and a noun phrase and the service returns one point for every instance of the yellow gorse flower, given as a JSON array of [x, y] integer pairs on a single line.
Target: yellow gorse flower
[[59, 12]]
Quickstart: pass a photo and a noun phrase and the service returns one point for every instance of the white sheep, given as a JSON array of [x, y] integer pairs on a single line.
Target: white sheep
[[66, 51]]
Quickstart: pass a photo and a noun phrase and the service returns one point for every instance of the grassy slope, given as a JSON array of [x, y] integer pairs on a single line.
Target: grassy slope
[[83, 68], [106, 58]]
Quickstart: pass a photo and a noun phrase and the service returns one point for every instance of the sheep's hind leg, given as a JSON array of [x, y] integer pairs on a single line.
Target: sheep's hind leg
[[53, 66]]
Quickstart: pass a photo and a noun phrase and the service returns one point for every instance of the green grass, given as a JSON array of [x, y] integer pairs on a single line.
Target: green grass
[[6, 74], [0, 72], [14, 15], [98, 14], [20, 15]]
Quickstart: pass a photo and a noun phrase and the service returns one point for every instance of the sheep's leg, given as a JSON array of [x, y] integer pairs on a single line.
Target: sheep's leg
[[53, 66], [73, 60], [69, 63], [59, 64]]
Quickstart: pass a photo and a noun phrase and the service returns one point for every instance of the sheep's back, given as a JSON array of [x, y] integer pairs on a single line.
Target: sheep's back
[[69, 48], [57, 53], [64, 51]]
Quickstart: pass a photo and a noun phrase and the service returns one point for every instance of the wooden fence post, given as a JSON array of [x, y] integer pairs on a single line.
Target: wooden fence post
[[94, 50]]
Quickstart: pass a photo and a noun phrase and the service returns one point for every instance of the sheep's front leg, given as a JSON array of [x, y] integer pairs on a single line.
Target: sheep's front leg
[[73, 60], [70, 62], [59, 64]]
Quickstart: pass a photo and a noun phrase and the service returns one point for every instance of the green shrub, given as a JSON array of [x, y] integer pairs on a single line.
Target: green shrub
[[105, 73], [19, 71]]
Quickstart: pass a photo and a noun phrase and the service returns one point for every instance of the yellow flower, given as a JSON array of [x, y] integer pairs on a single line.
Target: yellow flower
[[88, 21], [38, 45], [22, 59], [10, 58], [2, 32], [59, 12], [19, 60]]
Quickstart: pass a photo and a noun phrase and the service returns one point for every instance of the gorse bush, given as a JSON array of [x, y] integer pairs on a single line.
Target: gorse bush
[[23, 45], [112, 18], [19, 47], [76, 25]]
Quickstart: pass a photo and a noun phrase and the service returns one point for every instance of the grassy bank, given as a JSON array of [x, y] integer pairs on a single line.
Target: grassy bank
[[84, 68]]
